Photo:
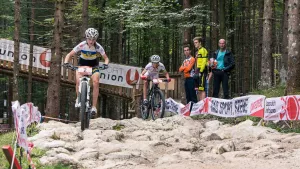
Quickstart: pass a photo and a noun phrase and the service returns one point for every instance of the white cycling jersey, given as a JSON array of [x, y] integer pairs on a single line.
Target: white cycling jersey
[[89, 53], [154, 72]]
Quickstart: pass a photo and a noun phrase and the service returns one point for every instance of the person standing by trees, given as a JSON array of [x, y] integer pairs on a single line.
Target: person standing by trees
[[225, 63], [187, 68], [201, 67]]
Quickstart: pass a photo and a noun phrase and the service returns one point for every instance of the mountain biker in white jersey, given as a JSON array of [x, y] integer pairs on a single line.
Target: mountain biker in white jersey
[[151, 71], [89, 56]]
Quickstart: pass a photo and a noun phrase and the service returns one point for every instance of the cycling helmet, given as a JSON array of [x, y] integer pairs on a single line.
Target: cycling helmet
[[91, 33], [155, 58]]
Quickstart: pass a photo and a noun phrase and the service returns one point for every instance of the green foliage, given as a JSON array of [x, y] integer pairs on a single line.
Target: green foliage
[[118, 127], [277, 91], [36, 154], [55, 136]]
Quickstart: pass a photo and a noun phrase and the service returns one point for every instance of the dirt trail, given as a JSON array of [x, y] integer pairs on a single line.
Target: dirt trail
[[175, 142]]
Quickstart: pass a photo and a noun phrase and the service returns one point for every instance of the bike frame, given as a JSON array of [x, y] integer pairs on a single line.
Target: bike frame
[[153, 87]]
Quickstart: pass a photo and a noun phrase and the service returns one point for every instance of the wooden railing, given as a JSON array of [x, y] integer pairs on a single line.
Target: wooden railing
[[68, 79]]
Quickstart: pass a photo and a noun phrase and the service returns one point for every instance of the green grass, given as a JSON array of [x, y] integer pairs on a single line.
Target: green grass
[[118, 127], [272, 92], [36, 154]]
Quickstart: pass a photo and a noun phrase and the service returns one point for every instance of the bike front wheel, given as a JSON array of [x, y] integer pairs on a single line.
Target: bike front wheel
[[158, 105], [83, 97]]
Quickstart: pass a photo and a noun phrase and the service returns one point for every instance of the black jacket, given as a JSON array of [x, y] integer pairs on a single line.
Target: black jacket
[[228, 60]]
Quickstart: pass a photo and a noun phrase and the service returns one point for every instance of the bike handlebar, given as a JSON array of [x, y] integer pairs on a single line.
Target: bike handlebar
[[70, 66], [163, 80]]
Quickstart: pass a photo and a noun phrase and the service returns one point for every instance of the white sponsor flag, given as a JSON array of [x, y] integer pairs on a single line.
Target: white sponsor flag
[[283, 108], [221, 107], [23, 116], [173, 106], [247, 105], [197, 108], [185, 111]]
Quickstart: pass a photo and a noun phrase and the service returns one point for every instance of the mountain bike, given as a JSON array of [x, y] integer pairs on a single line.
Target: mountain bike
[[84, 92], [156, 100]]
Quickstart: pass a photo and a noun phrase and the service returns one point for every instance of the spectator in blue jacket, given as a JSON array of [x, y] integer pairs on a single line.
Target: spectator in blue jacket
[[225, 63]]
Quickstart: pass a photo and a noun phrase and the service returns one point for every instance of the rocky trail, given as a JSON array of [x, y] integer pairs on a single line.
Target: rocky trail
[[175, 142]]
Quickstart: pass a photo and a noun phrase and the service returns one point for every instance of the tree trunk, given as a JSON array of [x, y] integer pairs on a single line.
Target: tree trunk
[[16, 51], [293, 78], [166, 57], [246, 47], [267, 60], [120, 41], [29, 90], [85, 18], [253, 42], [187, 31], [284, 56], [260, 41], [53, 92], [214, 27], [222, 19], [232, 45]]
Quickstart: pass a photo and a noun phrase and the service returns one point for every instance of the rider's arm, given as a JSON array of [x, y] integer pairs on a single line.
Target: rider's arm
[[106, 60], [143, 72], [69, 55], [166, 74]]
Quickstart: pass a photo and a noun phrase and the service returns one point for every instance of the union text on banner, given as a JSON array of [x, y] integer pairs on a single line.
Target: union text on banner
[[120, 75], [41, 56]]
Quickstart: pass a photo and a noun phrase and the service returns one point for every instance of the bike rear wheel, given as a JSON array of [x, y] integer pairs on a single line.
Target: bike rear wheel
[[157, 104], [83, 95], [143, 109]]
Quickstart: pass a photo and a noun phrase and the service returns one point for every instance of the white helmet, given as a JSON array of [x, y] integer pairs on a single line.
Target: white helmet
[[91, 33], [155, 58]]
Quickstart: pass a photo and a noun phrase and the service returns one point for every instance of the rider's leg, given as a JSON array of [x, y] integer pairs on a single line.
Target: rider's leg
[[95, 79], [78, 76]]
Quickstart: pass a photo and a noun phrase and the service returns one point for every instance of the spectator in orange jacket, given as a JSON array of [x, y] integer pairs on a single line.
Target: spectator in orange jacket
[[187, 68]]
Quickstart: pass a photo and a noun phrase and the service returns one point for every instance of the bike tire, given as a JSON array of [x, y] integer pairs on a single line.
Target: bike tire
[[83, 97], [143, 109], [155, 106], [87, 121]]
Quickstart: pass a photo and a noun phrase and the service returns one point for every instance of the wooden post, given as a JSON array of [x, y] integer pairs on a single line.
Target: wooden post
[[126, 109], [166, 90], [9, 155], [137, 98], [9, 100], [104, 98]]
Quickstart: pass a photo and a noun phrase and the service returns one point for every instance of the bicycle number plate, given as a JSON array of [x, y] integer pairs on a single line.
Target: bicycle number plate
[[85, 70]]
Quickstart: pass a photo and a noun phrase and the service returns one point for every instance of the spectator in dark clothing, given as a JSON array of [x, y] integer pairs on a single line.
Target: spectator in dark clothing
[[187, 68], [224, 63]]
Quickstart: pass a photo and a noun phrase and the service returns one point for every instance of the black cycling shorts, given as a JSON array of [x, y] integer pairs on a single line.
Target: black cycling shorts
[[91, 63]]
